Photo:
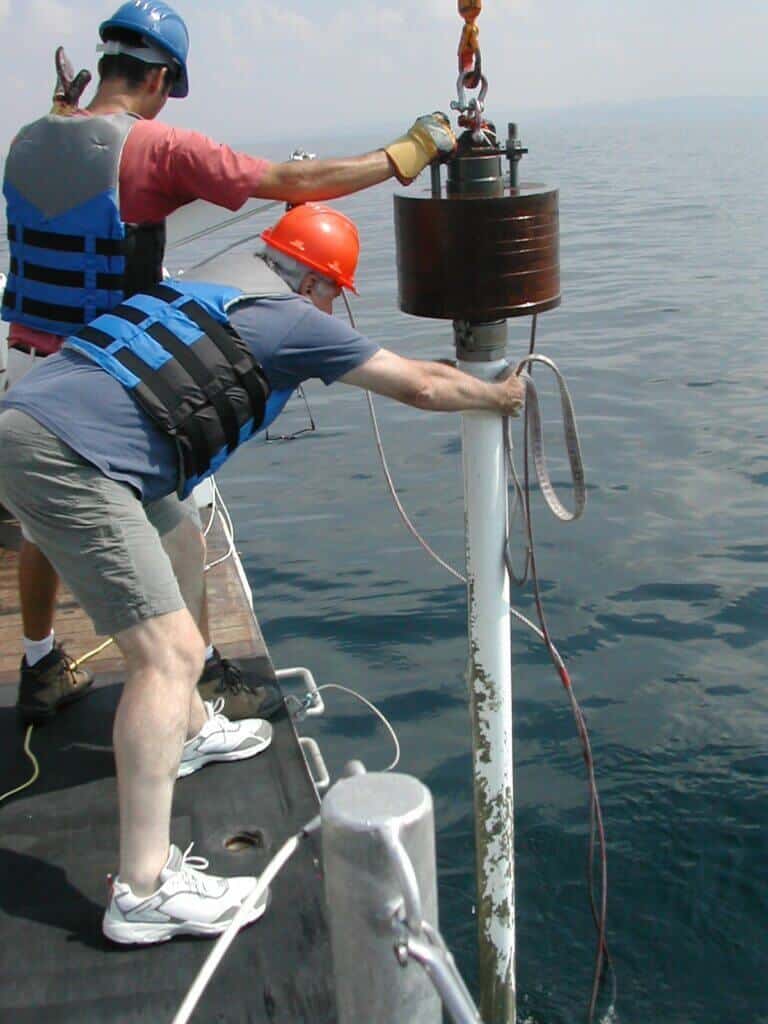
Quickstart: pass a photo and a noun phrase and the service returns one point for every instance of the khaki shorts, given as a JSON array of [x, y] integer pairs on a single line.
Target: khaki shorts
[[17, 365], [103, 542]]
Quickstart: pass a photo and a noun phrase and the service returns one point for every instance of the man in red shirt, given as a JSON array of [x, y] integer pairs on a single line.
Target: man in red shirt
[[59, 177]]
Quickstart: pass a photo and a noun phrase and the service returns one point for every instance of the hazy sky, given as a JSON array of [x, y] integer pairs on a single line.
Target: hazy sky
[[258, 70]]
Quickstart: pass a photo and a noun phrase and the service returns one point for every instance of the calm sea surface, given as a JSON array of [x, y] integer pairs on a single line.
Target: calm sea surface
[[658, 598]]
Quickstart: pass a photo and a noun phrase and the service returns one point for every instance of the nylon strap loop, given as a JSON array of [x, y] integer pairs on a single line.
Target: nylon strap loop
[[570, 434]]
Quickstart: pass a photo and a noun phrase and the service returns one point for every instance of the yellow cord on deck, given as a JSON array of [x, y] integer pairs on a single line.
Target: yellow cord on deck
[[92, 654], [35, 766], [27, 749]]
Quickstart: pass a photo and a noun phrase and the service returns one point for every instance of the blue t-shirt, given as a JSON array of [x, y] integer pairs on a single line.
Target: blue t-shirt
[[96, 416]]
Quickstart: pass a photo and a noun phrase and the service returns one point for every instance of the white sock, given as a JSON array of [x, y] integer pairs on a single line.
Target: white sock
[[36, 650], [209, 652]]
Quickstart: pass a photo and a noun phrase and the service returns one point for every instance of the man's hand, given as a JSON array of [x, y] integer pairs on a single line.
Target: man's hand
[[438, 127], [512, 394], [69, 86], [429, 138]]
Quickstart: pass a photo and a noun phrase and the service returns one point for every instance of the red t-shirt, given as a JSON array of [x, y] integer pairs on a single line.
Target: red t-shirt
[[161, 169]]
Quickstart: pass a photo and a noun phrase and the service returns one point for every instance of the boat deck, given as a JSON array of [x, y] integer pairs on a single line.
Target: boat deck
[[59, 841]]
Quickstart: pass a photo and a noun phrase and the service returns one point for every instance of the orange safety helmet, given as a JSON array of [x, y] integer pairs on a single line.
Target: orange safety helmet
[[320, 237]]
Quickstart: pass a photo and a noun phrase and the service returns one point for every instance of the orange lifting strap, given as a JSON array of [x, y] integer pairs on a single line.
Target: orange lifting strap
[[469, 44]]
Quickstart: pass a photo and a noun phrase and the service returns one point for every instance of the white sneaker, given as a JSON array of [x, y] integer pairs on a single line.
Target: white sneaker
[[188, 902], [223, 740]]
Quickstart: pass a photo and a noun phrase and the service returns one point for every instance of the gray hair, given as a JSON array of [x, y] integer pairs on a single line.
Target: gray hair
[[293, 271]]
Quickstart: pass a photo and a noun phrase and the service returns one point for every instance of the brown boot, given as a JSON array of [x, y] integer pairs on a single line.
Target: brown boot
[[49, 684], [222, 678]]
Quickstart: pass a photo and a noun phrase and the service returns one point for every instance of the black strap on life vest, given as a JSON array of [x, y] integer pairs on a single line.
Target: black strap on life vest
[[143, 248], [65, 278], [65, 243], [205, 393]]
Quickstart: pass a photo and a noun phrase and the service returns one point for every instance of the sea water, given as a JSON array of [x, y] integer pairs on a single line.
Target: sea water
[[657, 598]]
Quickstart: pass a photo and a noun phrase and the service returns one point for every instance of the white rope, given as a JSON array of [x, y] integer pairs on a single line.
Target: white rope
[[388, 476], [277, 863], [404, 515], [226, 939], [412, 529], [212, 516], [398, 504], [219, 509], [379, 714]]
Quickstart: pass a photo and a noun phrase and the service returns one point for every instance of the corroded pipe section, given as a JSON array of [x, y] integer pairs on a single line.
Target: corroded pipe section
[[489, 677]]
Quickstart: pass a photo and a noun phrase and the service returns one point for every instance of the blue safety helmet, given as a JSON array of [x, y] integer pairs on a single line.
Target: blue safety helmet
[[158, 23]]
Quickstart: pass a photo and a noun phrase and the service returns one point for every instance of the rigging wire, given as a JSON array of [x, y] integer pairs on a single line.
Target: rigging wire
[[204, 232], [92, 654], [221, 252]]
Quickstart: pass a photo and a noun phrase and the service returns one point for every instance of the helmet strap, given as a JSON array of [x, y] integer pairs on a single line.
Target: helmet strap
[[148, 53]]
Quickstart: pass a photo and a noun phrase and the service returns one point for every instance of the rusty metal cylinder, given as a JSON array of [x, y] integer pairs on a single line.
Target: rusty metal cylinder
[[483, 252], [478, 259]]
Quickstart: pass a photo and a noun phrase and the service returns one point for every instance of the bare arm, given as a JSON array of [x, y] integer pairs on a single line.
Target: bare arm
[[308, 180], [429, 138], [435, 386]]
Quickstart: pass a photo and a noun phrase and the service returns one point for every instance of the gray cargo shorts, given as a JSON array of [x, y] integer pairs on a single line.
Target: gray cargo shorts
[[103, 542]]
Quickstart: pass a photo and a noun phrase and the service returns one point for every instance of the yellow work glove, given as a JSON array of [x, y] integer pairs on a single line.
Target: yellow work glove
[[430, 138]]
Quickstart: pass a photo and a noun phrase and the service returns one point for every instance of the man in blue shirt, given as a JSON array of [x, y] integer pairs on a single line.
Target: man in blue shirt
[[139, 406]]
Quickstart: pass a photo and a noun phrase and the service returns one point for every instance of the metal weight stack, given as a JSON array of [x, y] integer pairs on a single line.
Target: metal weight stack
[[482, 252]]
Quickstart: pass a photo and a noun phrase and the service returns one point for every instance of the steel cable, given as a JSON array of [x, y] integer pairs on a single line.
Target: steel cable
[[204, 232]]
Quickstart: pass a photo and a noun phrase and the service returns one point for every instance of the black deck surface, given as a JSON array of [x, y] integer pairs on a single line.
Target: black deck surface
[[58, 841]]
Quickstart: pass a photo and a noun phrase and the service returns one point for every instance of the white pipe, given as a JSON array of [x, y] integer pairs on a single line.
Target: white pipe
[[490, 686]]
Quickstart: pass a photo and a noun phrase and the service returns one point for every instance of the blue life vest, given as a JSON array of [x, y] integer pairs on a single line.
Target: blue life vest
[[175, 351], [72, 257]]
